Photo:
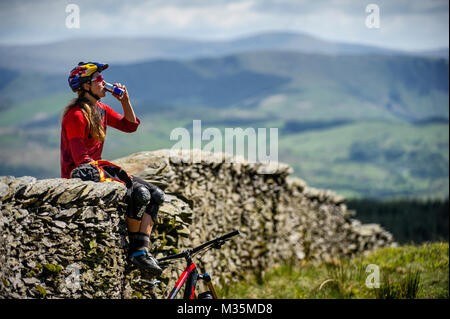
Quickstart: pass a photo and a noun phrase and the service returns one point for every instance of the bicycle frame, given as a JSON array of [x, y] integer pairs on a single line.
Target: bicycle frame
[[190, 275]]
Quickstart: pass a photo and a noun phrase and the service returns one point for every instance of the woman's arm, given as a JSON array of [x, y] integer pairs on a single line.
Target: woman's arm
[[128, 111], [128, 122], [118, 121]]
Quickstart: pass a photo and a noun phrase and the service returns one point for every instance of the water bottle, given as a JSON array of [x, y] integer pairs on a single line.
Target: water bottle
[[114, 89]]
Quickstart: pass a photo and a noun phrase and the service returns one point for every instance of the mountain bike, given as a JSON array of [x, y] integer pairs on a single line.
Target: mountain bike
[[190, 275]]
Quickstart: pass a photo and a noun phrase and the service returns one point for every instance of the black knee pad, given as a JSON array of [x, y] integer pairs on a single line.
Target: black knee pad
[[135, 212], [138, 199], [158, 196], [144, 197], [141, 195]]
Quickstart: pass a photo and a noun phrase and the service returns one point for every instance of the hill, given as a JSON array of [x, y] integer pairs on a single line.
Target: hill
[[305, 86], [363, 125], [59, 56]]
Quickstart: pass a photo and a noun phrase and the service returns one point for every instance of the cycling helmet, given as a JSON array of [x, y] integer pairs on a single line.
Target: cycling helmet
[[83, 72]]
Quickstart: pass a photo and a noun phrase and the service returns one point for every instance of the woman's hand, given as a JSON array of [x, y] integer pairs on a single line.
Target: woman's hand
[[125, 98]]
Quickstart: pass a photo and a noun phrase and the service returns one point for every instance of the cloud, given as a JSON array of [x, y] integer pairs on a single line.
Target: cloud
[[206, 20], [405, 24]]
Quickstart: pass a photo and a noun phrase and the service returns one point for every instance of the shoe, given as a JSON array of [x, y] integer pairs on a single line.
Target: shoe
[[145, 261]]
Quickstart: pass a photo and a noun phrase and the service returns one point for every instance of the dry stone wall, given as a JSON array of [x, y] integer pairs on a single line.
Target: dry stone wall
[[280, 217], [67, 238]]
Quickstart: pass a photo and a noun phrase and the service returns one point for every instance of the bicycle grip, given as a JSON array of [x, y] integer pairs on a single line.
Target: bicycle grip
[[231, 234]]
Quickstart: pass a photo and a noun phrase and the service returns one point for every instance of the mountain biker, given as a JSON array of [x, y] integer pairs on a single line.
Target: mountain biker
[[83, 131]]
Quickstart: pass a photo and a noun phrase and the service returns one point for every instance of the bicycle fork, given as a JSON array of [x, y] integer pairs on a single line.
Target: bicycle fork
[[207, 278]]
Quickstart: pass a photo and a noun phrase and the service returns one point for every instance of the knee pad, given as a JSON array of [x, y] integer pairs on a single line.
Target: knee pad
[[138, 200], [158, 196], [141, 195], [135, 211]]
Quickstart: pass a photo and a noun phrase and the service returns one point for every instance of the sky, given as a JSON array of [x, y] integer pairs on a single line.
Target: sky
[[411, 25]]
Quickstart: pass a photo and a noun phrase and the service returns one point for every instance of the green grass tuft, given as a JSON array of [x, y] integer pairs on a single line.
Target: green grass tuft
[[405, 272]]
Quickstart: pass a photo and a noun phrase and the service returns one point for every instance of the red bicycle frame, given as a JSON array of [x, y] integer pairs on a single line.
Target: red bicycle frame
[[190, 276]]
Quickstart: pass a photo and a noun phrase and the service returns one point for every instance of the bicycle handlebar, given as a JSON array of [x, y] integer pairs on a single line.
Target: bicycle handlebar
[[218, 240]]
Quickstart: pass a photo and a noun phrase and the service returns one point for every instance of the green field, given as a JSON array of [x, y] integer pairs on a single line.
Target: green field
[[373, 159], [406, 272]]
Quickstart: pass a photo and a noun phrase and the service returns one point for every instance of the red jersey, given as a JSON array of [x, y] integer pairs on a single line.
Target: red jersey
[[77, 146]]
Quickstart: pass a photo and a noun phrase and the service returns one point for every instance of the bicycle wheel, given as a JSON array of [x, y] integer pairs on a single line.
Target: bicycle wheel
[[206, 295]]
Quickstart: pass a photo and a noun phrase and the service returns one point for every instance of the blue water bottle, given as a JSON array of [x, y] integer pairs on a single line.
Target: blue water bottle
[[114, 89]]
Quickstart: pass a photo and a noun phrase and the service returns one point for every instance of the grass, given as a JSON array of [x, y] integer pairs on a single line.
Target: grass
[[23, 112], [405, 272]]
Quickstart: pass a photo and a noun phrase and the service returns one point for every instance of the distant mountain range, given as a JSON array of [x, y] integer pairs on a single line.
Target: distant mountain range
[[329, 87], [60, 56]]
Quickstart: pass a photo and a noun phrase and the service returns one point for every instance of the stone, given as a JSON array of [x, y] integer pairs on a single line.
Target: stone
[[60, 224], [4, 191]]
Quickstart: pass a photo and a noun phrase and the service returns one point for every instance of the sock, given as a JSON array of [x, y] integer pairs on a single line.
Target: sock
[[138, 241]]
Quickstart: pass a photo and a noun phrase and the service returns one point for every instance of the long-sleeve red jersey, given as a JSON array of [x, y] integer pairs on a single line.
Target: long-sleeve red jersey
[[77, 146]]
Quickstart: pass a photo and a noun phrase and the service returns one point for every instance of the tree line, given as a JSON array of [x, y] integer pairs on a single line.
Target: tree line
[[409, 220]]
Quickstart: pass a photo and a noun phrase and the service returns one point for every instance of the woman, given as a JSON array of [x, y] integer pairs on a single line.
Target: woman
[[83, 133]]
